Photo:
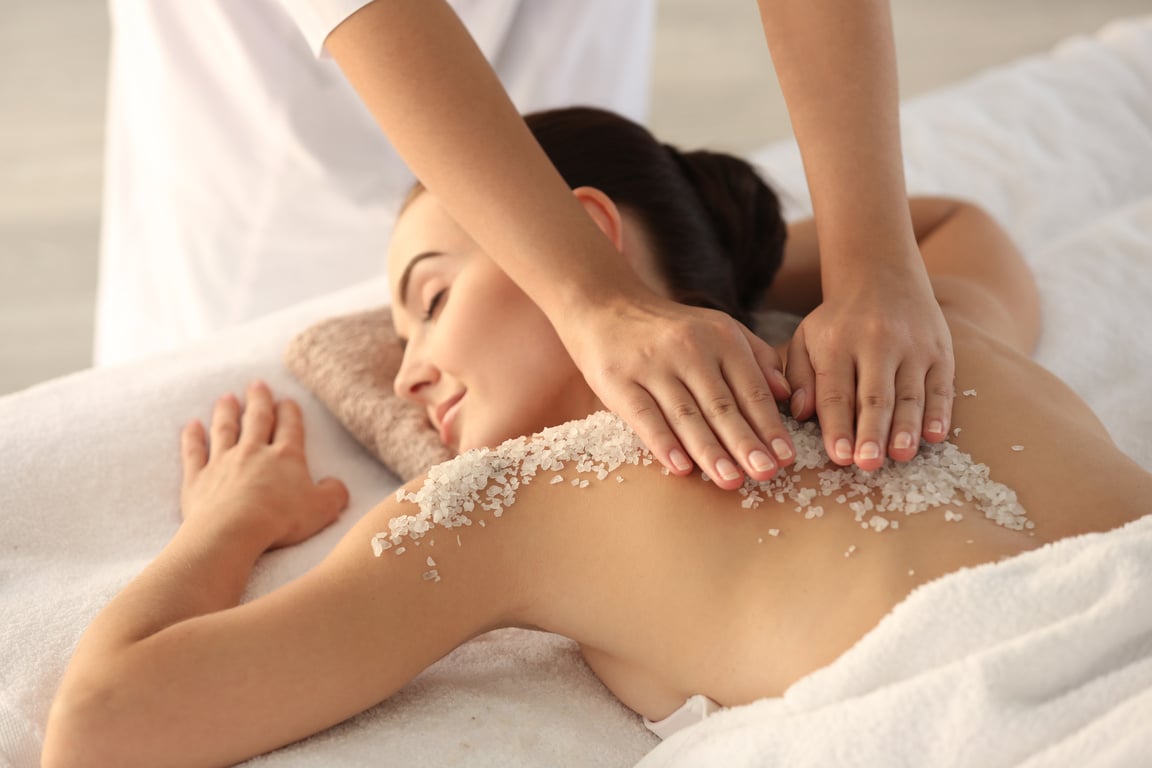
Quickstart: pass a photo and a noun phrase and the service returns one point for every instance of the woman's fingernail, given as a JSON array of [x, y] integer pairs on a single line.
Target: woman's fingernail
[[902, 441], [782, 449], [760, 461], [936, 427], [870, 450], [844, 449], [679, 460], [797, 403], [781, 380], [727, 470]]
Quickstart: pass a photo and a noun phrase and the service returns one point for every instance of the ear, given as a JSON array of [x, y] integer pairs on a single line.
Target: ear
[[604, 212]]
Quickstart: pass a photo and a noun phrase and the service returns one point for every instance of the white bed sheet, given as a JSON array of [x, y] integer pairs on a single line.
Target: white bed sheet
[[1058, 146]]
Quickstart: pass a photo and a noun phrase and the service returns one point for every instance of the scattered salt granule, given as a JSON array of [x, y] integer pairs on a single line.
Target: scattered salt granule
[[952, 517], [458, 543], [878, 523], [969, 393], [850, 550], [773, 531], [760, 540], [911, 572], [400, 550], [557, 479], [488, 479], [956, 432], [431, 563], [432, 575], [1017, 448]]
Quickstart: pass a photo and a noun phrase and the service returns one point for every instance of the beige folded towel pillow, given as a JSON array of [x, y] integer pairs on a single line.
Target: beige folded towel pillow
[[349, 363]]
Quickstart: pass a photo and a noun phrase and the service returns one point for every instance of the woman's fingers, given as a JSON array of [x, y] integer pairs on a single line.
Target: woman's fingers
[[225, 429], [193, 449], [259, 415], [289, 425]]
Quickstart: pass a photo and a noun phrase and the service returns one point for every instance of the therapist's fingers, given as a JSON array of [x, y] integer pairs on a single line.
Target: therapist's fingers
[[904, 440], [259, 415], [193, 449], [802, 378], [875, 401], [835, 396], [939, 397], [225, 427]]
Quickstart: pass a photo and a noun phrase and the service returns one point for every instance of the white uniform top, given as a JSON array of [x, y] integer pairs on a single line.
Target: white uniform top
[[243, 174]]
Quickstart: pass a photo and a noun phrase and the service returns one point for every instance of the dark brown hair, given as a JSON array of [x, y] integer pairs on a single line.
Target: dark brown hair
[[713, 222]]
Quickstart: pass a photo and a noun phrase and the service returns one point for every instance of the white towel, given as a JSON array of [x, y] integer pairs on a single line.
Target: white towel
[[1041, 660]]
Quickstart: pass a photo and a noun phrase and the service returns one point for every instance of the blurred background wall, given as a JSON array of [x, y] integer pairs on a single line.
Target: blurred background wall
[[713, 85]]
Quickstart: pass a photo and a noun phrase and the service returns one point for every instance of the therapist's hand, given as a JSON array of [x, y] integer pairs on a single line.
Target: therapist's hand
[[694, 384], [878, 358]]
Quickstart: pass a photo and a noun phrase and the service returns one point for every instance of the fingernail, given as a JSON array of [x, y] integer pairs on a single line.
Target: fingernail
[[760, 461], [782, 449], [936, 427], [844, 449], [781, 380], [679, 460], [797, 402], [727, 470], [870, 450], [903, 440]]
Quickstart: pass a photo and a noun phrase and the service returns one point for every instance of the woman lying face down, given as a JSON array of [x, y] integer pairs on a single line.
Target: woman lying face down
[[673, 587]]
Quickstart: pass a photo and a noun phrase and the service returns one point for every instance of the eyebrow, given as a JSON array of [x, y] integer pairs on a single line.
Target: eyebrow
[[407, 274]]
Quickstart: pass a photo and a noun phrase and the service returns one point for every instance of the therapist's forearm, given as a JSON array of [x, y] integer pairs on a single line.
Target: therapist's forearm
[[836, 64], [437, 99]]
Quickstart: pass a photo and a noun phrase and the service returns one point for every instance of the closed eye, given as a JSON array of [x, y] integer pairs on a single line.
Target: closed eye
[[434, 304]]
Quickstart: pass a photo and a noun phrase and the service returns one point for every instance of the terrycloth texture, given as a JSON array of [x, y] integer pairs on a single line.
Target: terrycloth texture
[[350, 362], [1059, 147], [1041, 660]]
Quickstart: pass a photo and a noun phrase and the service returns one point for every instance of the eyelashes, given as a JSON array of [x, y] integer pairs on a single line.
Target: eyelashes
[[433, 305]]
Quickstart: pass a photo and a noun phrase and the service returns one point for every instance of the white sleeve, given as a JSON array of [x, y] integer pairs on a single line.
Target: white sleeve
[[317, 18]]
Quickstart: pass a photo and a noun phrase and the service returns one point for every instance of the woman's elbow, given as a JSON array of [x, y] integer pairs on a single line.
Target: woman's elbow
[[82, 730]]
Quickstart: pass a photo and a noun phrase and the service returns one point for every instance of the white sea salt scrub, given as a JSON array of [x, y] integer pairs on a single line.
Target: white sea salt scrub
[[488, 478]]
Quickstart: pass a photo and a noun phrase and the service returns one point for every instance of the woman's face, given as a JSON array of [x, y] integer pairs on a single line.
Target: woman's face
[[480, 356]]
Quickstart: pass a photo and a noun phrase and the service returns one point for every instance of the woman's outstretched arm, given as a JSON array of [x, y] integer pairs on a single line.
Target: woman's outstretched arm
[[174, 671]]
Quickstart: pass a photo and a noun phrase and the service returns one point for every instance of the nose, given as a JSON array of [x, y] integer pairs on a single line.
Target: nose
[[416, 374]]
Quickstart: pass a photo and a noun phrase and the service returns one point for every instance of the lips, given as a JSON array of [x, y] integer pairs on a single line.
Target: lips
[[445, 415]]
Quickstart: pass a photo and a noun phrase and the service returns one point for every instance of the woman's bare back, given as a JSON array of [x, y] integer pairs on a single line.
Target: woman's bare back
[[673, 588]]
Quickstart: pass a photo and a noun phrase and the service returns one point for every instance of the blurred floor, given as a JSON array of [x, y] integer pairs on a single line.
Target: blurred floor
[[713, 86]]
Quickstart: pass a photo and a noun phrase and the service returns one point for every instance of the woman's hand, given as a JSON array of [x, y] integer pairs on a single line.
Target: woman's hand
[[881, 358], [250, 478], [695, 385]]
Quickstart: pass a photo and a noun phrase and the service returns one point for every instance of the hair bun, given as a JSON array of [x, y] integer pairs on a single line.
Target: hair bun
[[745, 216]]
